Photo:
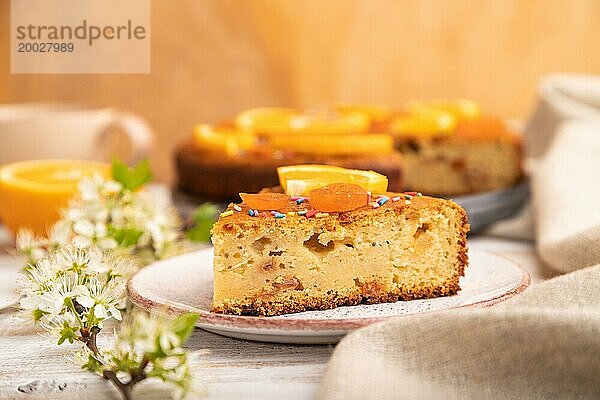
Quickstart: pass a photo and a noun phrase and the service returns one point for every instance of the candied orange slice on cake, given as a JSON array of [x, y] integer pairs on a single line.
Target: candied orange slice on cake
[[332, 144], [338, 197], [265, 201], [223, 137], [299, 180]]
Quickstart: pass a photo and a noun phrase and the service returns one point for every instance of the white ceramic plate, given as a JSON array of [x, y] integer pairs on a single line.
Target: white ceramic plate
[[184, 284]]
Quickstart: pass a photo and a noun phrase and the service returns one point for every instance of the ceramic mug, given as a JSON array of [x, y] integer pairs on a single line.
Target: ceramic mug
[[31, 131]]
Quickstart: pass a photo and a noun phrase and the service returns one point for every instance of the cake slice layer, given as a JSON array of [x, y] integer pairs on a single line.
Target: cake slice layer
[[405, 249]]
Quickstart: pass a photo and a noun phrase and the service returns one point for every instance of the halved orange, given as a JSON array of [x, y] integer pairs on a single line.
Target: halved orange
[[299, 180], [33, 192]]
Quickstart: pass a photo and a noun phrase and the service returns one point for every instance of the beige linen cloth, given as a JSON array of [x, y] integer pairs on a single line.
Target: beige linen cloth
[[542, 344]]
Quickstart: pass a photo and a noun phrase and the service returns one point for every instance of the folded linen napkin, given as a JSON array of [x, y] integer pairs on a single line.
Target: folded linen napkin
[[543, 344]]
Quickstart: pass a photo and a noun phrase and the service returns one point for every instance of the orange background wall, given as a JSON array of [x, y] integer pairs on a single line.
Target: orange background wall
[[211, 58]]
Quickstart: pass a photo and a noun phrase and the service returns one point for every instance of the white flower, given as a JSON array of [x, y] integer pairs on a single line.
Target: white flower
[[88, 188], [104, 298], [28, 244], [82, 242], [84, 227], [34, 282], [107, 243], [112, 187], [53, 301], [168, 340], [59, 234]]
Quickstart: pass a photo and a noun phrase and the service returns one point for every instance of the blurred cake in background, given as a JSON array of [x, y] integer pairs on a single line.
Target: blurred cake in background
[[438, 147], [222, 160]]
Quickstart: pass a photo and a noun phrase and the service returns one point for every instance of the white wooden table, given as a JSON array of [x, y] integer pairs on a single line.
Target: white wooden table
[[34, 367]]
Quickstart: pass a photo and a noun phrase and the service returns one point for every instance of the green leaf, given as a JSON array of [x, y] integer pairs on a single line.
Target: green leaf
[[134, 177], [184, 325], [127, 236], [92, 364], [38, 314], [66, 333], [204, 218]]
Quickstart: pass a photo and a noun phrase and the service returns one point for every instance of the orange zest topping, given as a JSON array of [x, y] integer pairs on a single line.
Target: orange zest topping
[[338, 197], [266, 201]]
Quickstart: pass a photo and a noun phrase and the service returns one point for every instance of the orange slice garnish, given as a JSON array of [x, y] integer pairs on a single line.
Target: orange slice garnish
[[376, 114], [281, 121], [299, 180], [225, 138], [266, 120], [460, 108], [356, 144], [425, 122], [338, 197]]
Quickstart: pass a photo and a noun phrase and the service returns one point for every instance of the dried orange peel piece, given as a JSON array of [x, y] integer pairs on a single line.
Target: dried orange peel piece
[[299, 180], [265, 201], [357, 144], [338, 197]]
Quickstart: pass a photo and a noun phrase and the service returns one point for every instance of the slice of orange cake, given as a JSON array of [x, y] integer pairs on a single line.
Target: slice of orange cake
[[335, 238]]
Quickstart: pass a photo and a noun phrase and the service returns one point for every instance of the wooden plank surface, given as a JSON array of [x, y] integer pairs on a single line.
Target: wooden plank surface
[[32, 366]]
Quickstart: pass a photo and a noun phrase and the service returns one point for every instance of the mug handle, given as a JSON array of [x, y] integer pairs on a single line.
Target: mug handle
[[138, 132]]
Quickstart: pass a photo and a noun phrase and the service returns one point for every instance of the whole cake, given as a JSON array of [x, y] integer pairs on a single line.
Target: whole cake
[[222, 160], [335, 245], [441, 147]]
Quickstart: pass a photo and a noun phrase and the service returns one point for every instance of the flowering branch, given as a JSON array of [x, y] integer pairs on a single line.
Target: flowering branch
[[73, 292], [75, 280]]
